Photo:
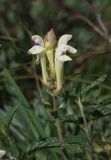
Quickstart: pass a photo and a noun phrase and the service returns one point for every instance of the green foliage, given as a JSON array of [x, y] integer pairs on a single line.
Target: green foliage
[[94, 84], [5, 121], [28, 130], [48, 143], [22, 102]]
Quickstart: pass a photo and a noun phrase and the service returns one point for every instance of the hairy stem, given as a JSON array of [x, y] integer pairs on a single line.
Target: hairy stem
[[59, 129], [86, 129], [58, 126]]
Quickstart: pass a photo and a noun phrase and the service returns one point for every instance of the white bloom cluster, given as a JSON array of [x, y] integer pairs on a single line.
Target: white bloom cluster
[[52, 56]]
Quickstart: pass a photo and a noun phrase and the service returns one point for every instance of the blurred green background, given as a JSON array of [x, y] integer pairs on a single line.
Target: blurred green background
[[89, 22]]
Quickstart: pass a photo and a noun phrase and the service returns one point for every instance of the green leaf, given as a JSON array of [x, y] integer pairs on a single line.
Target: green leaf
[[51, 142], [2, 128], [12, 87], [71, 118], [100, 111], [5, 121], [94, 84], [9, 116], [80, 139], [25, 109]]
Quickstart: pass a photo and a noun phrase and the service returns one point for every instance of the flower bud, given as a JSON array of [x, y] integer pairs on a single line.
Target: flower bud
[[50, 42], [50, 39]]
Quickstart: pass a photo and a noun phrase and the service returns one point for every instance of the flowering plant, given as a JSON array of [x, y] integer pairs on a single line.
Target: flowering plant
[[52, 56]]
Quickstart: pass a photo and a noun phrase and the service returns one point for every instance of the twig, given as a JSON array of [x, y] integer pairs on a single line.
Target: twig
[[91, 24], [101, 31], [98, 16], [100, 22], [8, 38], [83, 116], [86, 128]]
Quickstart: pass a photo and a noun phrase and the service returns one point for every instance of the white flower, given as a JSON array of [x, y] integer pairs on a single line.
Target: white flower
[[42, 49], [52, 58], [2, 153], [38, 47], [63, 48], [39, 50], [61, 57]]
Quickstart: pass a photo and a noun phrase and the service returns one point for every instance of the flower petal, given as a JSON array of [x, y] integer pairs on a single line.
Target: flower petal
[[63, 48], [38, 40], [36, 50], [2, 153], [64, 39], [64, 58]]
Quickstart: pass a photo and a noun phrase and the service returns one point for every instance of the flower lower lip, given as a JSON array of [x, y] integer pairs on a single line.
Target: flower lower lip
[[37, 43]]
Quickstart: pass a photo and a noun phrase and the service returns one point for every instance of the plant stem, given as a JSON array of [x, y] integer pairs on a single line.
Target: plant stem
[[86, 129], [83, 115], [58, 126], [59, 129]]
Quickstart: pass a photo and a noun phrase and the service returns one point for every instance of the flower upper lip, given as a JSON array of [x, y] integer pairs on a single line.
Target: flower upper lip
[[38, 47], [63, 48], [64, 39], [38, 40]]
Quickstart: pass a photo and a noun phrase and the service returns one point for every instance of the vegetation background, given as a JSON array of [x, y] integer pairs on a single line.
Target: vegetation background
[[27, 131]]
